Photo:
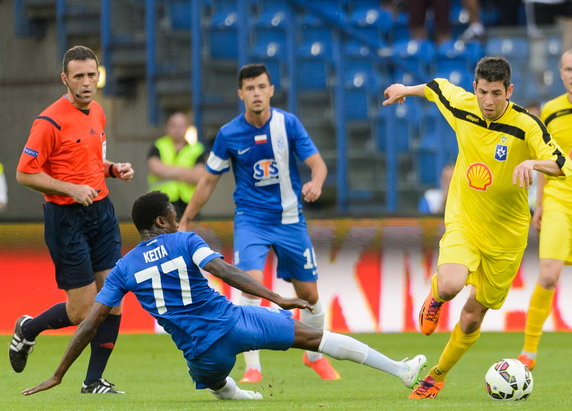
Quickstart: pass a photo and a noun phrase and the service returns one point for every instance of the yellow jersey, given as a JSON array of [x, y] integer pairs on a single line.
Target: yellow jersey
[[482, 200], [557, 116]]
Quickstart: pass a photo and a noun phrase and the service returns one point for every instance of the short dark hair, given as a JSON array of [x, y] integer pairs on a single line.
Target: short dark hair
[[147, 208], [78, 53], [252, 71], [493, 69]]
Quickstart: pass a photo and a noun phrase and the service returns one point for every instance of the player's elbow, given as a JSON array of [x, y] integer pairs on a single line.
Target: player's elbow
[[23, 178]]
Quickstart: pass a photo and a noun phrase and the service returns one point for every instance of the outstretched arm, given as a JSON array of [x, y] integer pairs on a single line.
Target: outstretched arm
[[397, 93], [203, 192], [82, 336], [313, 188], [240, 280]]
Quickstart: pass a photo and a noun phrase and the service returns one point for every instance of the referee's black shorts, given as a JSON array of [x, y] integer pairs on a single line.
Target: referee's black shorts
[[82, 241]]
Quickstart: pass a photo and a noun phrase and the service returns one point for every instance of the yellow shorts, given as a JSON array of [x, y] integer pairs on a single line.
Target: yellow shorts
[[491, 273], [555, 235]]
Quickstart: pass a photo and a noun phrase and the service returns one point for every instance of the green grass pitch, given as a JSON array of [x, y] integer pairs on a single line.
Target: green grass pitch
[[153, 372]]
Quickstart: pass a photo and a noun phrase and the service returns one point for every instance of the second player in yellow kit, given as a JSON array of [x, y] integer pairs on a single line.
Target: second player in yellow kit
[[552, 217], [486, 215]]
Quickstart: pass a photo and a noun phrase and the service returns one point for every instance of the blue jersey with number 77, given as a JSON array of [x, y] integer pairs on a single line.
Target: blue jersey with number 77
[[164, 275]]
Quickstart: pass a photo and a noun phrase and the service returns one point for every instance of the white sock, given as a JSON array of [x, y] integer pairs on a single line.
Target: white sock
[[251, 358], [230, 391], [314, 320], [343, 347]]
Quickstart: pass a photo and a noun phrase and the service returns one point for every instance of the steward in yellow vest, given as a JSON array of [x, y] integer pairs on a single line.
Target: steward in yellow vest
[[175, 166]]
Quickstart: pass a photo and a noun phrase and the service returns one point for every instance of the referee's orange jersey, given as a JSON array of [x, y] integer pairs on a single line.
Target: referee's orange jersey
[[68, 144]]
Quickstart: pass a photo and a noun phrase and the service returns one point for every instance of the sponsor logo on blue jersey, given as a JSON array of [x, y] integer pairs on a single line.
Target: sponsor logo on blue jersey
[[30, 152], [265, 172], [501, 152]]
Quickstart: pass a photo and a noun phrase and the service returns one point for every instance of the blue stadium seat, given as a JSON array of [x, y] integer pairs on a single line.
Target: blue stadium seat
[[361, 90], [460, 77], [333, 9], [512, 48], [415, 57], [458, 55], [401, 122], [223, 36], [179, 14], [374, 22], [399, 28], [270, 54], [313, 65]]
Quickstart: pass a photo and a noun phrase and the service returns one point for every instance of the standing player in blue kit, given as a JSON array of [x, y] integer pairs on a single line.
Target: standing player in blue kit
[[262, 145]]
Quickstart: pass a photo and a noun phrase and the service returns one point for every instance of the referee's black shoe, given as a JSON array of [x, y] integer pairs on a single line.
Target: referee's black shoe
[[101, 386], [20, 348]]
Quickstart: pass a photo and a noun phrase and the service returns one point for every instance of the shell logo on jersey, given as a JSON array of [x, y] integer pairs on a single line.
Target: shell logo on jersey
[[266, 172], [479, 176]]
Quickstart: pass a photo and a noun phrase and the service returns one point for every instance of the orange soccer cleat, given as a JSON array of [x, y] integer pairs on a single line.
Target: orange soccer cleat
[[429, 314], [322, 367], [529, 362], [252, 375], [427, 388]]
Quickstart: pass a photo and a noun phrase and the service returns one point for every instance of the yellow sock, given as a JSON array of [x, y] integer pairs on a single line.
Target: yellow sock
[[459, 343], [434, 289], [538, 311]]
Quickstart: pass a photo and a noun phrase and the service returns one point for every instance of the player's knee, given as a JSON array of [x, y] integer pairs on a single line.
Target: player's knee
[[549, 281]]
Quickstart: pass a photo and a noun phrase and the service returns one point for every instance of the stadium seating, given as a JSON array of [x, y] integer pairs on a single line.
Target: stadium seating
[[458, 55], [373, 22], [223, 36], [415, 57], [516, 49]]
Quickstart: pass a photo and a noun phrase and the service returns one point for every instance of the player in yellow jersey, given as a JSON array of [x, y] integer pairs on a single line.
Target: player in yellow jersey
[[486, 215], [552, 217]]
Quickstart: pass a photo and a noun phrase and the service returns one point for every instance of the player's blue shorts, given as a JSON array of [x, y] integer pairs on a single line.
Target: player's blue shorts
[[82, 241], [290, 242], [256, 328]]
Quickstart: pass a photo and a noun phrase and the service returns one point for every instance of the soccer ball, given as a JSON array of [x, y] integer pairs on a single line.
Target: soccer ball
[[508, 380]]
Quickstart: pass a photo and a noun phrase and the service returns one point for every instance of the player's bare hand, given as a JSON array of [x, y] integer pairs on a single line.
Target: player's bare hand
[[522, 174], [46, 385], [83, 194], [124, 171], [537, 217], [291, 303], [311, 191], [394, 93]]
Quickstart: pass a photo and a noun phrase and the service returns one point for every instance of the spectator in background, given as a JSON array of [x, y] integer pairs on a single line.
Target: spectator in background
[[418, 9], [3, 189], [476, 30], [433, 200], [176, 164]]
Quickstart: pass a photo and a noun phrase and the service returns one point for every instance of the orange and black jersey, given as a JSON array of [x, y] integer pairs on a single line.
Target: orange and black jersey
[[68, 144], [482, 199]]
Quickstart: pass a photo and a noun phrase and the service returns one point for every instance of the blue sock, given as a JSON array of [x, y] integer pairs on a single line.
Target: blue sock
[[101, 347], [53, 318]]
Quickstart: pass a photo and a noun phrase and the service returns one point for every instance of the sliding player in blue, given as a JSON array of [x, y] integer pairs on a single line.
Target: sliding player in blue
[[163, 271]]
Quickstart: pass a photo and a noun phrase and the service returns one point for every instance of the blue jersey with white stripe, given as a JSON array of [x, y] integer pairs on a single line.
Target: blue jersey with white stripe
[[268, 186], [164, 275]]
